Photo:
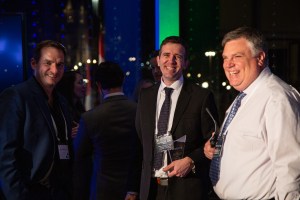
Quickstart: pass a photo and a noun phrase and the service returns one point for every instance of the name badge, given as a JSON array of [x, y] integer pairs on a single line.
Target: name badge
[[164, 143], [63, 151]]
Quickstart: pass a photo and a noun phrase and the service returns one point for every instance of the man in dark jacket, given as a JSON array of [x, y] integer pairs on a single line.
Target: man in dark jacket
[[106, 140], [35, 129]]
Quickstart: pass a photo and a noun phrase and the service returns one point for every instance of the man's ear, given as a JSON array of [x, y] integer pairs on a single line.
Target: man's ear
[[261, 59], [33, 63], [157, 60]]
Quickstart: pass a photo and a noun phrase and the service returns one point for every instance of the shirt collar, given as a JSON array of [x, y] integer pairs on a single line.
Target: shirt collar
[[176, 85], [252, 87], [113, 94]]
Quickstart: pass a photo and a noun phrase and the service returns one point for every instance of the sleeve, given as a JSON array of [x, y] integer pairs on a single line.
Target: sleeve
[[11, 131], [83, 163], [283, 133], [133, 183]]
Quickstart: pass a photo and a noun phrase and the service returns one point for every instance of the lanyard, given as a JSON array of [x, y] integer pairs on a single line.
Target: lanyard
[[55, 127]]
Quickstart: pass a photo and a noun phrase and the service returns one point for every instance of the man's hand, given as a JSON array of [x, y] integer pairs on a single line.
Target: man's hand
[[179, 168], [208, 150], [131, 196]]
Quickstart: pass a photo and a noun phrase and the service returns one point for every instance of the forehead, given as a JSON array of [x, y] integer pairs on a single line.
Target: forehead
[[237, 45], [52, 52], [173, 48]]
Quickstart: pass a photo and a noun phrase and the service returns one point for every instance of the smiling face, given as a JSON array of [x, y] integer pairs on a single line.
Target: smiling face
[[241, 65], [49, 69], [172, 62]]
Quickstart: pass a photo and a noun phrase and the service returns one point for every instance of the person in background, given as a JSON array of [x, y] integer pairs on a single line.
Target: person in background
[[174, 112], [35, 127], [72, 87], [145, 81], [149, 75], [258, 153], [156, 72], [107, 140]]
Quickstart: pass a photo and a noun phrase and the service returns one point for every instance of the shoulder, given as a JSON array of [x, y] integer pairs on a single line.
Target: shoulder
[[115, 103], [118, 100], [126, 103], [276, 88], [20, 90]]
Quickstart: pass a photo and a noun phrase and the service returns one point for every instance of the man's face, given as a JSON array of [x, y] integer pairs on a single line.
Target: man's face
[[240, 65], [50, 68], [172, 62]]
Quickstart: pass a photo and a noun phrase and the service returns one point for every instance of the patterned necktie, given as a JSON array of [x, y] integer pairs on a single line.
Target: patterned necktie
[[162, 124], [215, 163]]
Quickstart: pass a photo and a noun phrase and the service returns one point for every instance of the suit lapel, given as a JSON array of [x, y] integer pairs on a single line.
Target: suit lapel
[[182, 103], [150, 110], [152, 106], [41, 102]]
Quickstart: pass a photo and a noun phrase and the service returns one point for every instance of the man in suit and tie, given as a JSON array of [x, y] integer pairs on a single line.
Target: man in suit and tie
[[35, 132], [106, 141], [179, 172]]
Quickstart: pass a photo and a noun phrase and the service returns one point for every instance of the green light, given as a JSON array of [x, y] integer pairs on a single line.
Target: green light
[[167, 19]]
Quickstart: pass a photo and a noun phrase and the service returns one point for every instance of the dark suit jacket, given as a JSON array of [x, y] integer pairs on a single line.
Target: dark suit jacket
[[27, 139], [106, 137], [190, 119]]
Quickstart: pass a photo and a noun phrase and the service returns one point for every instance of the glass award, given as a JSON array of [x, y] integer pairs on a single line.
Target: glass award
[[178, 151]]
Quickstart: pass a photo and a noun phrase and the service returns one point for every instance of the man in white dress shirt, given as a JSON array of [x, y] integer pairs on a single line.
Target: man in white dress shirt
[[260, 155]]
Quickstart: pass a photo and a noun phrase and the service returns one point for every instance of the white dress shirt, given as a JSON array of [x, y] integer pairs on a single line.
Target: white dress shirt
[[261, 153]]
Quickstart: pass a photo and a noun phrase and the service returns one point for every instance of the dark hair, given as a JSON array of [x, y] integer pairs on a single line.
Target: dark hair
[[252, 35], [153, 54], [47, 43], [109, 74], [175, 40]]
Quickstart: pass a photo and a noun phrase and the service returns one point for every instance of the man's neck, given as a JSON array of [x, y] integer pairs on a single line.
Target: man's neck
[[111, 90]]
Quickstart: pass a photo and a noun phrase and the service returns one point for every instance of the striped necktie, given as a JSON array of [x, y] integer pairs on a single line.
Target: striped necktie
[[215, 163]]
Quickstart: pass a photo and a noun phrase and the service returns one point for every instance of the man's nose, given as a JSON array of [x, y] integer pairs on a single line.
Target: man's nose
[[228, 63], [173, 59], [54, 68]]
